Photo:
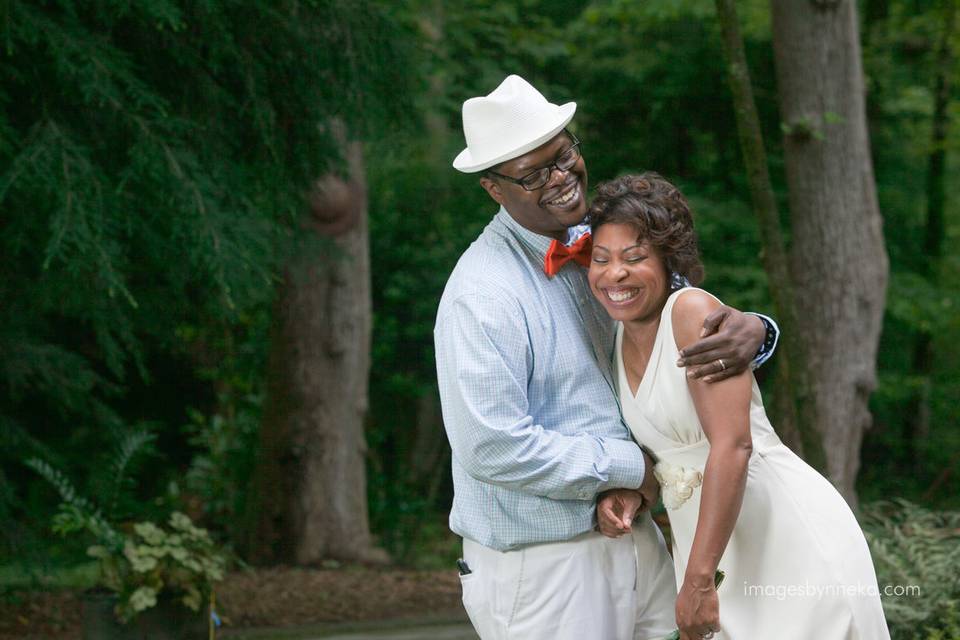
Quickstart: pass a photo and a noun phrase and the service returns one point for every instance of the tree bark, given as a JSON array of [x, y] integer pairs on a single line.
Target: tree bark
[[311, 480], [838, 257]]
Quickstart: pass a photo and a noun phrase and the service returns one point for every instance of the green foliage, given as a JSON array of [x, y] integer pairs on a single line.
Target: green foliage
[[473, 46], [154, 162], [76, 513], [913, 546], [179, 562], [141, 561], [651, 93], [154, 159], [225, 445], [126, 450], [912, 448], [652, 88]]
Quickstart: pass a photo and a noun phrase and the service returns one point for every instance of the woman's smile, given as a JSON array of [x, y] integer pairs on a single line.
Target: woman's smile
[[621, 295]]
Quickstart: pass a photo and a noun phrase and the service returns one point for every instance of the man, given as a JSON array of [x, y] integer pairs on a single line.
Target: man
[[529, 404]]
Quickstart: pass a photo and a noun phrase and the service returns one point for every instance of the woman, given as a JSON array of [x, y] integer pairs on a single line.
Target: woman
[[795, 559]]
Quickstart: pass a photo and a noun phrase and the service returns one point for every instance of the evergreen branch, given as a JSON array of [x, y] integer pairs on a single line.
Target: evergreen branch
[[104, 74], [32, 149]]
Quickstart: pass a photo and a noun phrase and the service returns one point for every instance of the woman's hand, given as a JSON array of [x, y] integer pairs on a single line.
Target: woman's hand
[[616, 510], [698, 610], [729, 343]]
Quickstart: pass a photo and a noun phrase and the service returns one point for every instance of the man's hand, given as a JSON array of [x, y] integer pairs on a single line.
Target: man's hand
[[616, 510], [729, 342]]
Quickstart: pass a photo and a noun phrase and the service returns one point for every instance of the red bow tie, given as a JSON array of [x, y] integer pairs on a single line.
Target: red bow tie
[[559, 254]]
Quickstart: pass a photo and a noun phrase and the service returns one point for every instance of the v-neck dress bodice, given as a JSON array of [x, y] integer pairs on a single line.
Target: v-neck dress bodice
[[794, 531]]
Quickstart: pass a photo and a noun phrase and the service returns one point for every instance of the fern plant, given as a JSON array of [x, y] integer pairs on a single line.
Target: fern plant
[[912, 545], [79, 513]]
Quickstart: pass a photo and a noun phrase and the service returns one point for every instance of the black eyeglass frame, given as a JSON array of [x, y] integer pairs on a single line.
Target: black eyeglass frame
[[553, 165]]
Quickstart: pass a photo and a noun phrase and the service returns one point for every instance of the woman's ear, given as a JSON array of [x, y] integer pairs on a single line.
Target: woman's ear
[[492, 187]]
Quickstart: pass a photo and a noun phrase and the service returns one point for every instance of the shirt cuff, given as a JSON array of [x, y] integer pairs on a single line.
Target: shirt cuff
[[769, 341], [627, 464]]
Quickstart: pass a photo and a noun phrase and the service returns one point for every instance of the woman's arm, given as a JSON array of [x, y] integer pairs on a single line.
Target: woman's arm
[[724, 411], [740, 340]]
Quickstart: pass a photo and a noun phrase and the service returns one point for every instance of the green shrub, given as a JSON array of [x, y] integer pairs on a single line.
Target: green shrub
[[139, 561], [912, 545]]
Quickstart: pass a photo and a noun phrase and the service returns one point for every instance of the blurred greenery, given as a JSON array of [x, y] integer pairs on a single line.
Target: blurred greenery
[[913, 547], [154, 158]]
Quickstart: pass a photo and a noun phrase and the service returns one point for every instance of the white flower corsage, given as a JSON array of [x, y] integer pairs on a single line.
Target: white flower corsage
[[676, 483]]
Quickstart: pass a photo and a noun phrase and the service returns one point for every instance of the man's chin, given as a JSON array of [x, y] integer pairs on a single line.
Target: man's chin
[[573, 218]]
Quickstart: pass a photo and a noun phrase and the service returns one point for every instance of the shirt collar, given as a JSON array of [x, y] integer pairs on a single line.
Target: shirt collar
[[576, 232], [540, 244]]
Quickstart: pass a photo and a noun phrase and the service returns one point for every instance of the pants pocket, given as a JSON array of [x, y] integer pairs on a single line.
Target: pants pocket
[[477, 607]]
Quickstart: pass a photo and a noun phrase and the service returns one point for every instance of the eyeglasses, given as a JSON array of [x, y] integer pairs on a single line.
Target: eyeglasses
[[536, 179]]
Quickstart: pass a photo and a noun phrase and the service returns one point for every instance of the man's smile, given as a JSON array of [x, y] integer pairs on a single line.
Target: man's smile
[[568, 198]]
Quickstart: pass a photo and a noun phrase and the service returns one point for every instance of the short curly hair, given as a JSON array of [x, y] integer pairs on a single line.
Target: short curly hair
[[660, 214]]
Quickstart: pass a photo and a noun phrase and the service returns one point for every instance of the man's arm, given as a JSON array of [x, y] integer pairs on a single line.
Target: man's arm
[[483, 363], [730, 342]]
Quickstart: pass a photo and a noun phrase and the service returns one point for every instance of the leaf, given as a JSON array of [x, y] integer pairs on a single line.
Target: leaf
[[143, 598]]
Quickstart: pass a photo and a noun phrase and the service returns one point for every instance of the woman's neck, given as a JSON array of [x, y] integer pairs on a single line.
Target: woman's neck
[[638, 339], [641, 333]]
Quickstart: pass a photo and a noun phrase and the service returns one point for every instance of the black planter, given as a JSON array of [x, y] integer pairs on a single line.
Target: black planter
[[165, 621]]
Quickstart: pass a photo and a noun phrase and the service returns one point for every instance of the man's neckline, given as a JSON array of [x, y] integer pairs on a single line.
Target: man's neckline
[[536, 240]]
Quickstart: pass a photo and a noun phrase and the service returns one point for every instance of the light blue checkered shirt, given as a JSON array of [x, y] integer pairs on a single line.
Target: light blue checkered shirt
[[523, 363]]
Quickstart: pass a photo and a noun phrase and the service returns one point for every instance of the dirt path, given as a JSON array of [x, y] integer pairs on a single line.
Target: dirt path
[[461, 631], [283, 599], [433, 629]]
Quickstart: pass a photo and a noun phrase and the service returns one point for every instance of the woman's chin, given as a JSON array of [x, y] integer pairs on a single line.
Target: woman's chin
[[635, 310], [619, 313]]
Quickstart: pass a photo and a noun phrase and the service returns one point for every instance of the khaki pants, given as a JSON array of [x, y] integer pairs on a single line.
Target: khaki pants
[[588, 588]]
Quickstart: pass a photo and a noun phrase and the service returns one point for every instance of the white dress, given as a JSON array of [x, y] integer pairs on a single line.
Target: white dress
[[797, 565]]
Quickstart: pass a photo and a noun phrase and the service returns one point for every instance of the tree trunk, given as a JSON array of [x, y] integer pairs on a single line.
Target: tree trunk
[[311, 480], [838, 257]]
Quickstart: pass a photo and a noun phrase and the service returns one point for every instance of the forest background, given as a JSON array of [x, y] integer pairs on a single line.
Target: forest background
[[165, 166]]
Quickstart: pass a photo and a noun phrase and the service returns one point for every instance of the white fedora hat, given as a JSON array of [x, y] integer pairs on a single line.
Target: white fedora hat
[[514, 119]]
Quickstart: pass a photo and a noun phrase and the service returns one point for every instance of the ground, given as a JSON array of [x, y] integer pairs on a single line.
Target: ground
[[276, 597]]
